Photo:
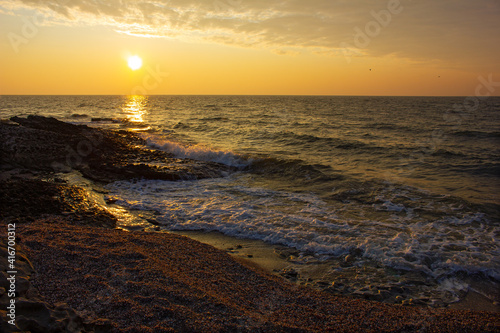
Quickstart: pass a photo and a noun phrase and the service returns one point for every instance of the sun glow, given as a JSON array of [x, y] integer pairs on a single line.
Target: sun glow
[[134, 62]]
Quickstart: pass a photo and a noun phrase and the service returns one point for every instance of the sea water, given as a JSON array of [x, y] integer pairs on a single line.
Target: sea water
[[407, 184]]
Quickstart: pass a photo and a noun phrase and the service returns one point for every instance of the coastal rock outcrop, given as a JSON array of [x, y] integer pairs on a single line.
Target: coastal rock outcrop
[[41, 143]]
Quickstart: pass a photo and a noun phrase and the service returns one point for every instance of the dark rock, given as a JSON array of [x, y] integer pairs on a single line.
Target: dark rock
[[322, 284], [347, 261], [22, 285], [384, 294], [153, 221], [396, 290], [110, 200], [101, 119], [49, 124], [25, 199], [336, 284], [356, 252], [289, 273], [46, 144]]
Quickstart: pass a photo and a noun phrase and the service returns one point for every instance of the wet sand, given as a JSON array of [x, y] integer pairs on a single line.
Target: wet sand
[[271, 259]]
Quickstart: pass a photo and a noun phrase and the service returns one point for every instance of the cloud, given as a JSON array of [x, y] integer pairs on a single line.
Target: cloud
[[460, 30], [285, 52]]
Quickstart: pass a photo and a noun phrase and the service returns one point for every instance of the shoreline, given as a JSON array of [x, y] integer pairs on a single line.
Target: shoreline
[[63, 226], [270, 259]]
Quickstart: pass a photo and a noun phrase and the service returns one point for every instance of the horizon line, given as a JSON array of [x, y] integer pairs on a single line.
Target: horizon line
[[249, 95]]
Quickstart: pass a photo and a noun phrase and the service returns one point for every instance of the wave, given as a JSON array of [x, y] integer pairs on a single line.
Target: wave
[[290, 138], [214, 119], [392, 127], [78, 115], [197, 152], [484, 169], [477, 134], [292, 168], [448, 153], [180, 125], [307, 223]]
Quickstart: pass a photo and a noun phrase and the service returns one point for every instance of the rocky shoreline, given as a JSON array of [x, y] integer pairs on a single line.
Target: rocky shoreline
[[46, 144], [77, 273]]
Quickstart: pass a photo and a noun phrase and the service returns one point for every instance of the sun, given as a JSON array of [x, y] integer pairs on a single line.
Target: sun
[[134, 62]]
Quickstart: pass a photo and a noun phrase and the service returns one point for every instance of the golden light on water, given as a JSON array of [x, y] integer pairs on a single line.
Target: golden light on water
[[135, 108]]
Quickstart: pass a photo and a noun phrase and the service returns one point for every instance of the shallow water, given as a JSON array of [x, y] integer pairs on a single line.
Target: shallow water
[[397, 185]]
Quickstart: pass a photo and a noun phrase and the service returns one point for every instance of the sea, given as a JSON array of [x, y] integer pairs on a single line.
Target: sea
[[382, 187]]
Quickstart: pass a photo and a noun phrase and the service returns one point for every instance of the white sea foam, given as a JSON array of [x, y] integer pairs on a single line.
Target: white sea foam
[[303, 221], [197, 152]]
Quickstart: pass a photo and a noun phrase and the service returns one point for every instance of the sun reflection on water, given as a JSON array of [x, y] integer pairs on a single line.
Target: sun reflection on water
[[135, 109]]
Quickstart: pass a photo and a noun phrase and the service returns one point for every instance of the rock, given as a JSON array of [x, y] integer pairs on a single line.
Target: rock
[[41, 143], [289, 274], [35, 314], [337, 284], [407, 302], [348, 260], [25, 199], [356, 252], [153, 221], [110, 200], [101, 119], [436, 303], [384, 294], [367, 294], [22, 285], [322, 284], [396, 290], [49, 124]]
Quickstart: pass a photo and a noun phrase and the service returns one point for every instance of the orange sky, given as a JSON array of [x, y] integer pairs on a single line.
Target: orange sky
[[321, 47]]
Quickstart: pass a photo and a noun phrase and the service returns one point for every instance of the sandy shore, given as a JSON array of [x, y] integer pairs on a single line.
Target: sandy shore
[[78, 273]]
